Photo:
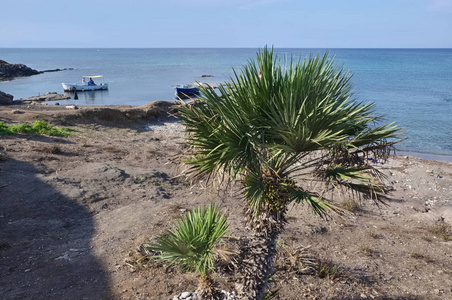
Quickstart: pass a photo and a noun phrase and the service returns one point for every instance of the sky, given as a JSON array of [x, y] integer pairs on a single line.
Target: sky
[[226, 24]]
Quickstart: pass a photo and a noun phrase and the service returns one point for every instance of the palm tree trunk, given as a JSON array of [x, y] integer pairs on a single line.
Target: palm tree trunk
[[256, 265]]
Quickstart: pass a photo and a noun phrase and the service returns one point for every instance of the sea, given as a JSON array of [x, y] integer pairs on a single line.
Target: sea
[[411, 87]]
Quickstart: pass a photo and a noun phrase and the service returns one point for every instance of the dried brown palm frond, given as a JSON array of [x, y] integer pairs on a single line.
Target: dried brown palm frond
[[297, 259]]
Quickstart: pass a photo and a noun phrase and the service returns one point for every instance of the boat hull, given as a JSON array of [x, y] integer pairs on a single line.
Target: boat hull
[[187, 91], [184, 91], [71, 87]]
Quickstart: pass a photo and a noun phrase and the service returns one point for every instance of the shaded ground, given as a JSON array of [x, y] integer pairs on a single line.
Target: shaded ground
[[75, 211]]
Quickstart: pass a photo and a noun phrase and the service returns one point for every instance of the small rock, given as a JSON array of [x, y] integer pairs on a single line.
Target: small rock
[[185, 295]]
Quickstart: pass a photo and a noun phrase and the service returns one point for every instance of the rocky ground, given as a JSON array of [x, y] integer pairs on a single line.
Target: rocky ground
[[75, 212]]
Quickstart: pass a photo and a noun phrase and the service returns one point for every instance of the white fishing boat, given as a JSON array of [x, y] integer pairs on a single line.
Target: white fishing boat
[[87, 84]]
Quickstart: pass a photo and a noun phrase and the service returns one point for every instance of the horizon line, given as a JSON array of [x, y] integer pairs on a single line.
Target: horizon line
[[382, 48]]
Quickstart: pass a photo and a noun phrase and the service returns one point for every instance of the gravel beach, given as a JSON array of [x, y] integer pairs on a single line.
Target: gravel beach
[[76, 211]]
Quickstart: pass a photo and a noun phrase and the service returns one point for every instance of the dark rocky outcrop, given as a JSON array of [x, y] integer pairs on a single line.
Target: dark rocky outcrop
[[5, 98], [10, 71]]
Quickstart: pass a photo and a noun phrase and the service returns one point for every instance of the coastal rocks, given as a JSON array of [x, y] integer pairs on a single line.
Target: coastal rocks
[[5, 98], [10, 71], [55, 70], [50, 96]]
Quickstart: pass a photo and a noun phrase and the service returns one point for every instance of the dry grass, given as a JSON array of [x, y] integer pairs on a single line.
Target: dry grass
[[416, 255], [351, 205], [366, 250], [111, 149], [441, 230], [53, 149], [375, 235]]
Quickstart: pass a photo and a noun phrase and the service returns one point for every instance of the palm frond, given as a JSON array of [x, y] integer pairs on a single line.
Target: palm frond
[[274, 123], [364, 180], [315, 202], [191, 243]]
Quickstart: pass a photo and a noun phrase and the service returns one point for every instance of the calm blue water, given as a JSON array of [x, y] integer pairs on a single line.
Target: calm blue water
[[410, 86]]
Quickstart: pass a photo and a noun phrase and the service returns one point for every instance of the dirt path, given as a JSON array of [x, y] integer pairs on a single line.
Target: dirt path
[[75, 211]]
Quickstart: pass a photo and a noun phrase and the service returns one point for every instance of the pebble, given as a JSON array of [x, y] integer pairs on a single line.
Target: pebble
[[167, 128], [194, 296], [186, 295]]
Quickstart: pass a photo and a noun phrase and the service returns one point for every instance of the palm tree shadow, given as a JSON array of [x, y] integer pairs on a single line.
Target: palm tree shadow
[[45, 250]]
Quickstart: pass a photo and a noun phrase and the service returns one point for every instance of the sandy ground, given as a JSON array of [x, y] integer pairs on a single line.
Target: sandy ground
[[74, 213]]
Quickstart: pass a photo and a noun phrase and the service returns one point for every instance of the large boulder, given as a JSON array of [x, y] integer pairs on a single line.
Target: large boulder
[[5, 98], [10, 71]]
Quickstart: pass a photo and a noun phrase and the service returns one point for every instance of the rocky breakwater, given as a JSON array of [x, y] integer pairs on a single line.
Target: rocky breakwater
[[10, 71]]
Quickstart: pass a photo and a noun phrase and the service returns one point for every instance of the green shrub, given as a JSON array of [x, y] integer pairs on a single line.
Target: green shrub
[[4, 129], [38, 127], [21, 128]]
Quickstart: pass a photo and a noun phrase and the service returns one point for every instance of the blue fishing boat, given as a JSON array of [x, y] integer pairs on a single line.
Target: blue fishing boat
[[186, 90]]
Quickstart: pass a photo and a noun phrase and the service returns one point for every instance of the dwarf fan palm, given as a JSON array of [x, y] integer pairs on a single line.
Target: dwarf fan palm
[[273, 127], [191, 244]]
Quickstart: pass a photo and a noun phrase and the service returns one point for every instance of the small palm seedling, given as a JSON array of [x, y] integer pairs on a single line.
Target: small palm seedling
[[191, 243], [327, 269]]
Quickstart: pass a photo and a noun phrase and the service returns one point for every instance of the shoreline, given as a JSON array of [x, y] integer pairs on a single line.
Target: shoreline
[[45, 107], [424, 155]]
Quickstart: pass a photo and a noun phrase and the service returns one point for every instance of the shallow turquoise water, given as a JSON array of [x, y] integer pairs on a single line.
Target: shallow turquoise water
[[410, 86]]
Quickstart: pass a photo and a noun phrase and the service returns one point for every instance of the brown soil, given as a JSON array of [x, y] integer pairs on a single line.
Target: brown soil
[[74, 213]]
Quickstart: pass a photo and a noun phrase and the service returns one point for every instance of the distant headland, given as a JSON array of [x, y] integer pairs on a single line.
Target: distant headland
[[11, 71]]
